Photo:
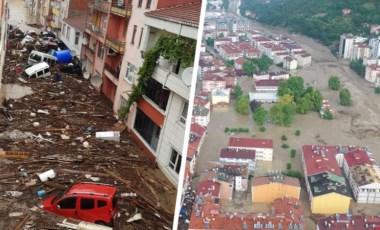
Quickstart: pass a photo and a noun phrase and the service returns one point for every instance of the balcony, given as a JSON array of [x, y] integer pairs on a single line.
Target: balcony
[[115, 44], [100, 5], [111, 70], [95, 29], [90, 54], [121, 9]]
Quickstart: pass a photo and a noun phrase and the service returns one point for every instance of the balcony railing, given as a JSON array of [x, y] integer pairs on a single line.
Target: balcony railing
[[121, 9], [111, 70], [115, 44], [100, 5], [95, 29]]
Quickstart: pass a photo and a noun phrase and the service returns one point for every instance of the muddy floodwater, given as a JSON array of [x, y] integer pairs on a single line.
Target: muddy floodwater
[[357, 125], [21, 14]]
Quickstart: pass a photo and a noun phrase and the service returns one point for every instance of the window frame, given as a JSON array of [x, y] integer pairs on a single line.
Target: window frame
[[84, 204], [68, 33], [141, 35], [134, 34], [148, 4], [67, 198], [182, 116], [77, 36], [176, 165], [130, 72], [139, 4]]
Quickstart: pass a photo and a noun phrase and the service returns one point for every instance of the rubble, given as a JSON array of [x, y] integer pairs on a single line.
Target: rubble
[[70, 112]]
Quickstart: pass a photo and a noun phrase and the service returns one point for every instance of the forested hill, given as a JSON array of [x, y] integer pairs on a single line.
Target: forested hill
[[320, 19]]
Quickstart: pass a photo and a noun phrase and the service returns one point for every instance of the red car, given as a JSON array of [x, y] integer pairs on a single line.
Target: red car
[[95, 203]]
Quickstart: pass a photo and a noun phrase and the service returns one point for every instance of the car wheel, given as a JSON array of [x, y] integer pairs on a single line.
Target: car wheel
[[100, 222]]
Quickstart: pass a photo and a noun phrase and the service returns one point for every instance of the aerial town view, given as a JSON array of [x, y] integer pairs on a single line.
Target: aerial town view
[[285, 125], [95, 96]]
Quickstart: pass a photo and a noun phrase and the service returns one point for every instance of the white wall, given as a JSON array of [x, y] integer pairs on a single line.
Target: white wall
[[70, 42]]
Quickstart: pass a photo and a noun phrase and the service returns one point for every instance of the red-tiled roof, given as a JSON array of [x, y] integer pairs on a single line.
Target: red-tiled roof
[[240, 61], [289, 207], [250, 142], [355, 222], [197, 129], [257, 181], [320, 158], [78, 21], [237, 154], [209, 187], [187, 14], [264, 83], [357, 157]]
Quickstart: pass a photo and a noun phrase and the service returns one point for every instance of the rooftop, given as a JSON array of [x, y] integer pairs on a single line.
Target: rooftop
[[357, 157], [237, 142], [240, 61], [289, 207], [197, 129], [319, 159], [209, 187], [257, 181], [78, 21], [325, 183], [266, 83], [200, 111], [349, 222], [186, 14], [365, 174], [238, 154]]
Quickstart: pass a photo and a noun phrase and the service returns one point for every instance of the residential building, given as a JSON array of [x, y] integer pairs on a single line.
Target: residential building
[[363, 175], [3, 38], [360, 51], [268, 86], [346, 45], [202, 99], [204, 66], [263, 97], [238, 64], [374, 43], [257, 76], [220, 42], [349, 222], [290, 63], [326, 187], [372, 73], [238, 156], [201, 116], [262, 147], [220, 97], [267, 189], [230, 51], [209, 187], [303, 59], [279, 75], [211, 82]]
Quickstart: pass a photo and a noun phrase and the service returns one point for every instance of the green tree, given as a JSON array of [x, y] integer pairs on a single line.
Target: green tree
[[249, 68], [284, 138], [377, 90], [226, 130], [297, 133], [260, 116], [328, 115], [315, 100], [334, 83], [221, 35], [262, 129], [229, 63], [358, 67], [293, 153], [303, 106], [284, 146], [238, 91], [288, 166], [345, 97], [210, 42], [282, 114], [293, 86], [242, 105]]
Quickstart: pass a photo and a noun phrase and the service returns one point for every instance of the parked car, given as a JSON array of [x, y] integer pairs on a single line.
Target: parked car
[[91, 202]]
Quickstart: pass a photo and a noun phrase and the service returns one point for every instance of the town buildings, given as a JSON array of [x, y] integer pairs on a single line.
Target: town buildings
[[349, 222], [238, 156], [346, 47], [262, 147]]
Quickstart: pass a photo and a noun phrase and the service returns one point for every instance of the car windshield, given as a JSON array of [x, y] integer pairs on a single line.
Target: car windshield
[[58, 196]]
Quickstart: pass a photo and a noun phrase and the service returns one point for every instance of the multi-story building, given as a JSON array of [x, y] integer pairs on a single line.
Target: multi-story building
[[211, 82], [372, 73], [262, 147], [220, 97], [201, 115], [363, 175], [266, 189], [349, 222], [290, 63], [238, 156], [374, 43], [326, 187], [346, 45], [3, 37], [360, 51], [266, 85]]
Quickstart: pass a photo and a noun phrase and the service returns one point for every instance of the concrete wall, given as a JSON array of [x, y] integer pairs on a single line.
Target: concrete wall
[[331, 203], [70, 43], [267, 193]]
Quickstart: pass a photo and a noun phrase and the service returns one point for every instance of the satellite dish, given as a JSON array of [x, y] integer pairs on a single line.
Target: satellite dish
[[187, 76]]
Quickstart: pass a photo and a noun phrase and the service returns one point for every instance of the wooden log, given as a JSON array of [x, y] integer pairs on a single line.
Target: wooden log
[[22, 222], [14, 154], [55, 185]]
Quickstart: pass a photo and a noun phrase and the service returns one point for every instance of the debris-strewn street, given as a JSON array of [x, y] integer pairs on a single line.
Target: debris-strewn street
[[54, 127]]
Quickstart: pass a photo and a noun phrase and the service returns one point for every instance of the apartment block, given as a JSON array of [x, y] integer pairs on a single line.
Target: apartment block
[[238, 156], [262, 147], [349, 222]]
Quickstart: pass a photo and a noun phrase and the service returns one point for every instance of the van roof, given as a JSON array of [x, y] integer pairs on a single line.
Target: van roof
[[36, 67], [43, 54], [93, 189]]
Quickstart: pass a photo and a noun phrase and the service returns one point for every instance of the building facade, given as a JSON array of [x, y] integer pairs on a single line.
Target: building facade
[[262, 147], [267, 189]]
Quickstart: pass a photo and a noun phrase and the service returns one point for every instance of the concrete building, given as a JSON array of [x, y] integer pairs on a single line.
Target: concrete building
[[201, 116], [211, 82], [290, 63], [349, 222], [374, 43], [257, 76], [279, 75], [372, 73], [363, 175], [202, 99], [360, 51], [266, 189], [238, 156], [303, 59], [346, 45], [266, 86], [264, 97], [326, 187], [262, 147], [204, 66], [220, 97]]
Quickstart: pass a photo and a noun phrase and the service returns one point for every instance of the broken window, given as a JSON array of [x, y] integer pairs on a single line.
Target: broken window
[[68, 203], [87, 204]]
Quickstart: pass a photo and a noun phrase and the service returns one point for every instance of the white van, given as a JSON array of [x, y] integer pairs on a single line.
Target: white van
[[37, 57], [38, 70]]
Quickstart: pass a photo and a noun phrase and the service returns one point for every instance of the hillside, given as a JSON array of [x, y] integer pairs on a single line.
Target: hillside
[[320, 19]]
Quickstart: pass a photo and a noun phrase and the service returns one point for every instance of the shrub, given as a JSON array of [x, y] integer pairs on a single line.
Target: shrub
[[288, 166], [298, 132], [284, 146], [246, 130], [377, 90], [241, 130], [234, 130], [226, 130], [293, 153], [284, 138], [262, 129]]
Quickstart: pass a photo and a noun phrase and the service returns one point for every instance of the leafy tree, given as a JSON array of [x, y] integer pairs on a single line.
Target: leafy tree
[[315, 100], [334, 83], [284, 146], [242, 105], [297, 133], [288, 166], [238, 91], [263, 63], [358, 67], [285, 99], [262, 129], [249, 68], [282, 114], [345, 97], [226, 130], [377, 90], [328, 115], [229, 63], [293, 86], [303, 106], [210, 42], [284, 138], [260, 116], [293, 153], [221, 35]]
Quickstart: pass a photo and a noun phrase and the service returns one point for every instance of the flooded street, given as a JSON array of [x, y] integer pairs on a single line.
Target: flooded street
[[21, 14]]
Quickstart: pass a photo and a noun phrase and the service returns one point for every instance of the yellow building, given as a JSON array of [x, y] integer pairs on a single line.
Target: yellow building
[[266, 189], [328, 194]]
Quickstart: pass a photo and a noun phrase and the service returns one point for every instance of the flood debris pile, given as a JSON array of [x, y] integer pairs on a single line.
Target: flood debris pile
[[66, 126]]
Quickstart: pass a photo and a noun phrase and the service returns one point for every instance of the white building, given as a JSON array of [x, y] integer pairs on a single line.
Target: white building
[[360, 51], [220, 97], [372, 72], [262, 147], [303, 60], [72, 31], [238, 156], [266, 86], [375, 44], [363, 176], [201, 116], [290, 63], [346, 45]]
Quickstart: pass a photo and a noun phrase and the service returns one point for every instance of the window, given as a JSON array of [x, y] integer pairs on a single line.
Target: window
[[148, 3], [40, 73], [140, 3], [68, 33], [68, 203], [130, 76], [157, 93], [141, 34], [183, 117], [102, 203], [87, 204], [148, 130], [64, 30], [176, 66], [175, 161], [77, 34], [100, 51], [134, 34]]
